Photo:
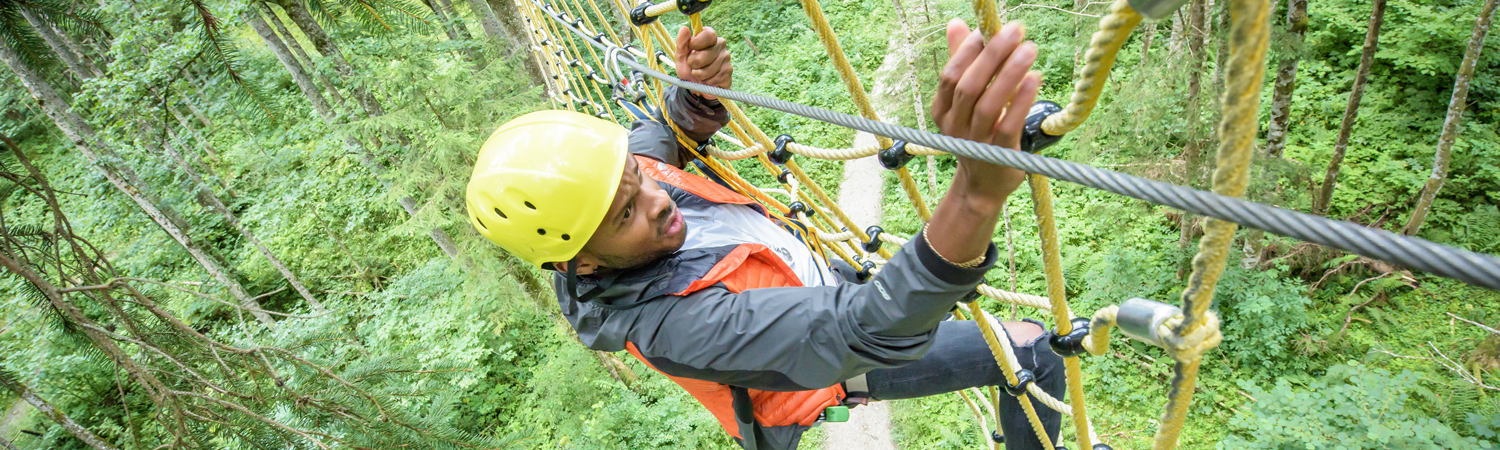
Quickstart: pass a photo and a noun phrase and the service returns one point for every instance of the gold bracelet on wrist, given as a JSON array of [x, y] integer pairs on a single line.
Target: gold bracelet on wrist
[[971, 264]]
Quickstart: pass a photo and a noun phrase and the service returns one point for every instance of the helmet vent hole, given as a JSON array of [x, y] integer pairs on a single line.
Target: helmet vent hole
[[501, 213], [481, 223], [529, 205], [566, 237], [541, 231]]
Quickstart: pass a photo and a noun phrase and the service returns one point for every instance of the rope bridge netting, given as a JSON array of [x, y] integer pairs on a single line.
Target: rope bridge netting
[[599, 73]]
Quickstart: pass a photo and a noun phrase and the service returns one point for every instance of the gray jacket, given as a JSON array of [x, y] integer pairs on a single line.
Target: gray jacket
[[770, 339]]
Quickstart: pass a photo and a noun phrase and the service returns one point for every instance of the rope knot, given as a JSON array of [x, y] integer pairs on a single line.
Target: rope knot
[[1188, 348]]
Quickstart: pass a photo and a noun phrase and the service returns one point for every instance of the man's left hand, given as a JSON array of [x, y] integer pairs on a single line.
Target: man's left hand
[[703, 58]]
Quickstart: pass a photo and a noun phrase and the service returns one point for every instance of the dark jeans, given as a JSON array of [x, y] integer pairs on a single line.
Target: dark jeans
[[959, 359]]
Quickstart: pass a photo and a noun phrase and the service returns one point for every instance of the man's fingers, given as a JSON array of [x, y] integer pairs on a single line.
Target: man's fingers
[[959, 62], [957, 31], [705, 39], [683, 35], [724, 77], [1009, 134], [702, 58], [1005, 84], [980, 85], [711, 69]]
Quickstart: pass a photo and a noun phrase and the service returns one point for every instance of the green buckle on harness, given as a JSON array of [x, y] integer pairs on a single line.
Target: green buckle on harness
[[834, 414]]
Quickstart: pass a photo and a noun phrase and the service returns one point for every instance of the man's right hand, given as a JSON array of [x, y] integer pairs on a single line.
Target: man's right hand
[[984, 94]]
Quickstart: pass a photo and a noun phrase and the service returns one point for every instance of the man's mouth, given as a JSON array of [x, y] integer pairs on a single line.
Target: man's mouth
[[673, 224]]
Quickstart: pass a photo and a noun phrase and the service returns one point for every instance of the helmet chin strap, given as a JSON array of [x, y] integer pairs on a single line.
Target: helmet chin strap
[[572, 277]]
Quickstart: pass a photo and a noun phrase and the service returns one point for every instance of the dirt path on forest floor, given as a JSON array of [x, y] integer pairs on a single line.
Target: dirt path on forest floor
[[860, 196]]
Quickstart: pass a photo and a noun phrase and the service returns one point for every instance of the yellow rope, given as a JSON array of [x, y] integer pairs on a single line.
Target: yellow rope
[[1041, 199], [1199, 330], [1113, 29], [999, 345], [861, 99]]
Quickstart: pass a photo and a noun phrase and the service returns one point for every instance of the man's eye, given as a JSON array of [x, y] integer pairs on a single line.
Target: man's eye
[[627, 213]]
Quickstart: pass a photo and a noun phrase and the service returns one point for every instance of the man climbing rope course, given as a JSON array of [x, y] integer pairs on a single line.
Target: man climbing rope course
[[737, 305]]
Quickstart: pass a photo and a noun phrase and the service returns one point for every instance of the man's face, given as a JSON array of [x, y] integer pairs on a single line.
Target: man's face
[[642, 225]]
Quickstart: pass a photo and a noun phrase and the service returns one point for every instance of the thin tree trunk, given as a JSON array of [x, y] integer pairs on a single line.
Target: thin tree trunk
[[1366, 59], [491, 26], [1286, 78], [83, 58], [1146, 37], [58, 47], [1192, 150], [6, 444], [212, 201], [320, 105], [78, 431], [1450, 123], [299, 74], [295, 46], [83, 137], [304, 20], [453, 27], [510, 16], [1179, 35], [207, 124], [442, 16]]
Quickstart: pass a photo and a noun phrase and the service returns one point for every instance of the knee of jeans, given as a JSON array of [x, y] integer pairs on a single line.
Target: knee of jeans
[[1025, 334], [1046, 365]]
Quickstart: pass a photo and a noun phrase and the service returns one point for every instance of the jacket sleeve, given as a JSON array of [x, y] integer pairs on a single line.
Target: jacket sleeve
[[800, 338], [699, 119]]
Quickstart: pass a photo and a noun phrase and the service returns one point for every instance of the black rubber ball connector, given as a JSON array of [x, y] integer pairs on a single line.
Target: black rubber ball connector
[[1102, 447], [783, 176], [1024, 378], [1033, 139], [866, 270], [1071, 345], [997, 437], [895, 156], [796, 207], [873, 245], [690, 7], [780, 155], [638, 15]]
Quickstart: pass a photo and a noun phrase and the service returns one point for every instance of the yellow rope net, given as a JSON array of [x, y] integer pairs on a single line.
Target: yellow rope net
[[1185, 334]]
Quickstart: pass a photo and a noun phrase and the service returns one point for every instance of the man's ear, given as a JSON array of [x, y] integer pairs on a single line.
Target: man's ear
[[586, 265]]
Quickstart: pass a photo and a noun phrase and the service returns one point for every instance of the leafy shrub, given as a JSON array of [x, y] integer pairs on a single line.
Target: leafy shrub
[[1352, 407]]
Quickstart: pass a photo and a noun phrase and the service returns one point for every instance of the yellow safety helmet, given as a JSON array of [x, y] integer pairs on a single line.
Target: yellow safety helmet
[[544, 181]]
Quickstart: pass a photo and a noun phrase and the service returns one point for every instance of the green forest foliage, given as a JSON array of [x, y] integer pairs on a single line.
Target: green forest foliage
[[473, 348]]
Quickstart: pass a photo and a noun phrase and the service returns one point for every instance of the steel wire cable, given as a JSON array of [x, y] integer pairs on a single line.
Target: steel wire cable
[[1463, 265]]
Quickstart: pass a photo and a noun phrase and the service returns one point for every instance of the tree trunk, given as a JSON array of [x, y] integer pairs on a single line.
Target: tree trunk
[[491, 26], [1192, 150], [304, 20], [454, 27], [63, 52], [320, 106], [207, 124], [82, 136], [299, 74], [1286, 78], [1366, 59], [1450, 124], [295, 46], [83, 58], [510, 16], [1179, 35], [442, 16], [78, 431], [212, 201], [1146, 36]]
